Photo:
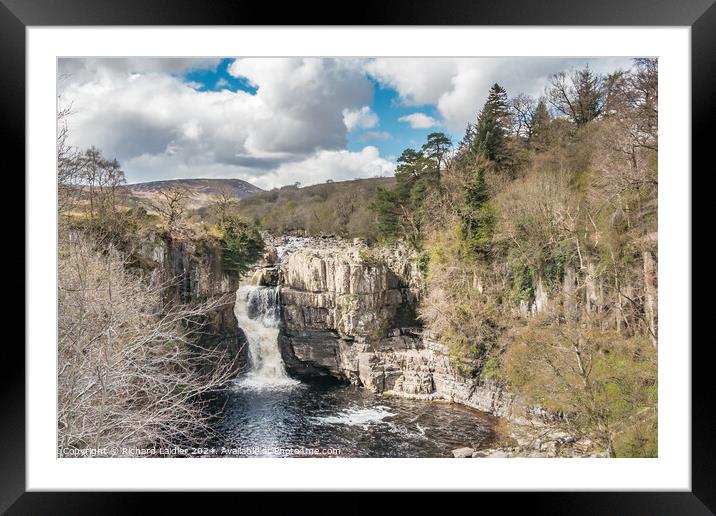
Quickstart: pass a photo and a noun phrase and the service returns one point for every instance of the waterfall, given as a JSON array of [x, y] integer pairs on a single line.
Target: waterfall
[[257, 311]]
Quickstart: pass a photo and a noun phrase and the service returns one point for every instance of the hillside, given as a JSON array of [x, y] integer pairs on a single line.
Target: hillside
[[201, 191], [336, 208]]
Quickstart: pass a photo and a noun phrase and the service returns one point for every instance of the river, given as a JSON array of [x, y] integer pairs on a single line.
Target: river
[[266, 413]]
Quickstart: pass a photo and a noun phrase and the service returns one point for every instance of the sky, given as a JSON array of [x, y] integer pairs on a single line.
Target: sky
[[278, 121]]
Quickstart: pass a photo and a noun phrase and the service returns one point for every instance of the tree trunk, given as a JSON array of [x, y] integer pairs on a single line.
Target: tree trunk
[[650, 295]]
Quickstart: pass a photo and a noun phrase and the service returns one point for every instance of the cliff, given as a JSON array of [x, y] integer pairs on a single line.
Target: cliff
[[192, 273], [349, 312]]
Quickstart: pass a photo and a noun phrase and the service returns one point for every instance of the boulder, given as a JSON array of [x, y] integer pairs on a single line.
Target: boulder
[[463, 453]]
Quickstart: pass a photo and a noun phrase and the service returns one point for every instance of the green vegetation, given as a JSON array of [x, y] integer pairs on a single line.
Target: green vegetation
[[539, 251], [602, 383], [489, 139], [401, 211], [477, 218], [241, 245]]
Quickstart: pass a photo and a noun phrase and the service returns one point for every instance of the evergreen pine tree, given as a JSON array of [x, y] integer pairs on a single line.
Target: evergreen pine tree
[[399, 211], [467, 140], [386, 206], [579, 94], [241, 245], [435, 150], [590, 95], [492, 124]]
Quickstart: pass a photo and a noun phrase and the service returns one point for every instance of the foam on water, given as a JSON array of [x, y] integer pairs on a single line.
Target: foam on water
[[357, 416]]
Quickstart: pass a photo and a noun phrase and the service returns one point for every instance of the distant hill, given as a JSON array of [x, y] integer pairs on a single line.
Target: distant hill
[[202, 191], [331, 208]]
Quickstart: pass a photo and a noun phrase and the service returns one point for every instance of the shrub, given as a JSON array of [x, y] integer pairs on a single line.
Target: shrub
[[600, 385]]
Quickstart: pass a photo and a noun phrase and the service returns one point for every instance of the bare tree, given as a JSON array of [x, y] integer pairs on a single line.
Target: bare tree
[[643, 95], [523, 108], [102, 179], [224, 203], [634, 108], [171, 203], [69, 165], [89, 186], [130, 372], [580, 94]]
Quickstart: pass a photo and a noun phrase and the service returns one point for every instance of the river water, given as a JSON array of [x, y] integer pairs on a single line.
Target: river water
[[265, 413]]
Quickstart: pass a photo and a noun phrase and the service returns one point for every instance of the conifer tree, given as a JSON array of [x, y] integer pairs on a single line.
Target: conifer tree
[[477, 217], [435, 150], [468, 138], [492, 124], [399, 211], [392, 206], [539, 125], [241, 245]]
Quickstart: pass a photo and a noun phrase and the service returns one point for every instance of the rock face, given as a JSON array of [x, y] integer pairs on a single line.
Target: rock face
[[194, 273], [349, 312]]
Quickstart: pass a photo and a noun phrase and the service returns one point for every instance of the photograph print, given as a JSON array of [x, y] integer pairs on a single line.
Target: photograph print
[[357, 257]]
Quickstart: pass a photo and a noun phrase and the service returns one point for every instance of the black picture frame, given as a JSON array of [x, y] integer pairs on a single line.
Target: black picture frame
[[16, 15]]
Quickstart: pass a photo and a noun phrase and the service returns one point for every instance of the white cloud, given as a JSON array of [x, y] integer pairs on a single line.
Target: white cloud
[[77, 69], [142, 112], [316, 168], [418, 81], [419, 120], [375, 135], [458, 87], [363, 118], [296, 111], [337, 165]]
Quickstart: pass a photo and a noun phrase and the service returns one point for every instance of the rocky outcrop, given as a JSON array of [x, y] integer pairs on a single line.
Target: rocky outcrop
[[349, 312], [537, 441], [349, 289], [338, 297]]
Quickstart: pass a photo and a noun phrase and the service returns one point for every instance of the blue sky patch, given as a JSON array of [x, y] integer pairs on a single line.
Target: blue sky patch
[[389, 108], [218, 79], [294, 124]]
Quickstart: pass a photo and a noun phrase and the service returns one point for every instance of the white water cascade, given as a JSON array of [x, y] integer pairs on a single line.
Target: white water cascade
[[257, 311]]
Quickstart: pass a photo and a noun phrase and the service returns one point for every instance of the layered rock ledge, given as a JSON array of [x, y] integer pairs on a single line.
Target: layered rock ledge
[[348, 311]]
